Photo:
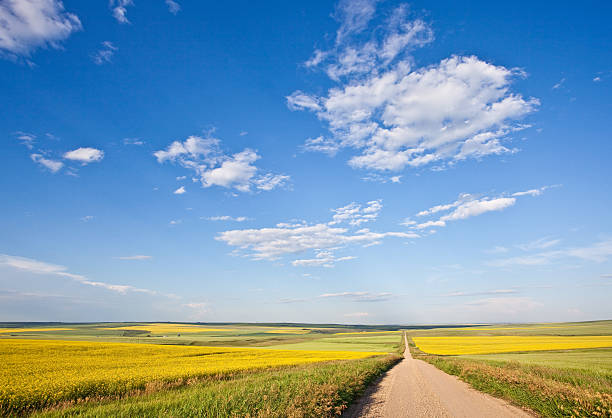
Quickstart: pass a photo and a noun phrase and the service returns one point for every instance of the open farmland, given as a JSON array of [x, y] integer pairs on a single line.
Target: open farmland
[[553, 369], [39, 372], [507, 344]]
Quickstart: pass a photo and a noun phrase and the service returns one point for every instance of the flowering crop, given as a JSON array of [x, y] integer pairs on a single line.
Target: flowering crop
[[12, 330], [168, 328], [506, 344], [38, 373]]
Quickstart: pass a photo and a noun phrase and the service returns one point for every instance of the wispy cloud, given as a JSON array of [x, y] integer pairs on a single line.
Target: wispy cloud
[[180, 190], [52, 165], [119, 9], [228, 218], [359, 296], [598, 252], [40, 267], [467, 206], [322, 258], [481, 293], [134, 257], [104, 54], [173, 7]]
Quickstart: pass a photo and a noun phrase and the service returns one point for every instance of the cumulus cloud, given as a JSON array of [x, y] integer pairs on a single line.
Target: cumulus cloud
[[322, 239], [26, 25], [180, 190], [52, 165], [40, 267], [85, 155], [394, 116], [214, 168], [104, 54]]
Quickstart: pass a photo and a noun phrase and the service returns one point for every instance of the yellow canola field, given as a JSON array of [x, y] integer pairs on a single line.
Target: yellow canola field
[[38, 373], [11, 330], [506, 344], [168, 328]]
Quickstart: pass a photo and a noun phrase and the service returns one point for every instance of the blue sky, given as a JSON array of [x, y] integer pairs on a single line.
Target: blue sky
[[357, 162]]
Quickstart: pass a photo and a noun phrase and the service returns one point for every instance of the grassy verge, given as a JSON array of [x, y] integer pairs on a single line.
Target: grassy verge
[[549, 391], [317, 390]]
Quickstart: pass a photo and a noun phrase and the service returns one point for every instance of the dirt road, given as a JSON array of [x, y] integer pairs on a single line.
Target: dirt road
[[414, 388]]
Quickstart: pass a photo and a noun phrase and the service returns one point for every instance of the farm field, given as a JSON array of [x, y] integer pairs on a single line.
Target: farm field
[[46, 366], [548, 368]]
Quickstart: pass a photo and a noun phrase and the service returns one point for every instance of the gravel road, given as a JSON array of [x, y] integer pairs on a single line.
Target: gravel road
[[414, 388]]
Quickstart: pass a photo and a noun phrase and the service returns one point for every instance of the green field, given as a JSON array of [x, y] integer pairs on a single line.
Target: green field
[[576, 382], [557, 383], [115, 380]]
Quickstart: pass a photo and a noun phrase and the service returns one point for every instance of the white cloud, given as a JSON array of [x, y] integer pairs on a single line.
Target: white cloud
[[180, 190], [87, 218], [394, 116], [173, 7], [119, 9], [598, 252], [26, 139], [321, 238], [85, 155], [133, 141], [214, 168], [243, 133], [559, 84], [26, 25], [228, 218], [354, 16], [498, 249], [467, 206], [359, 296], [135, 257], [597, 79], [40, 267], [482, 293], [354, 214], [478, 207], [323, 145], [322, 259], [533, 192], [104, 54], [539, 244], [52, 165], [176, 221]]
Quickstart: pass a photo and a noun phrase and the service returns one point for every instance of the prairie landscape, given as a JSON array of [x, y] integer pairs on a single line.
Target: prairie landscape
[[183, 369], [356, 208]]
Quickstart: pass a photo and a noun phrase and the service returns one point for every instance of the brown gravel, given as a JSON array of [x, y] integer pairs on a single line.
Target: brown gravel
[[414, 388]]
